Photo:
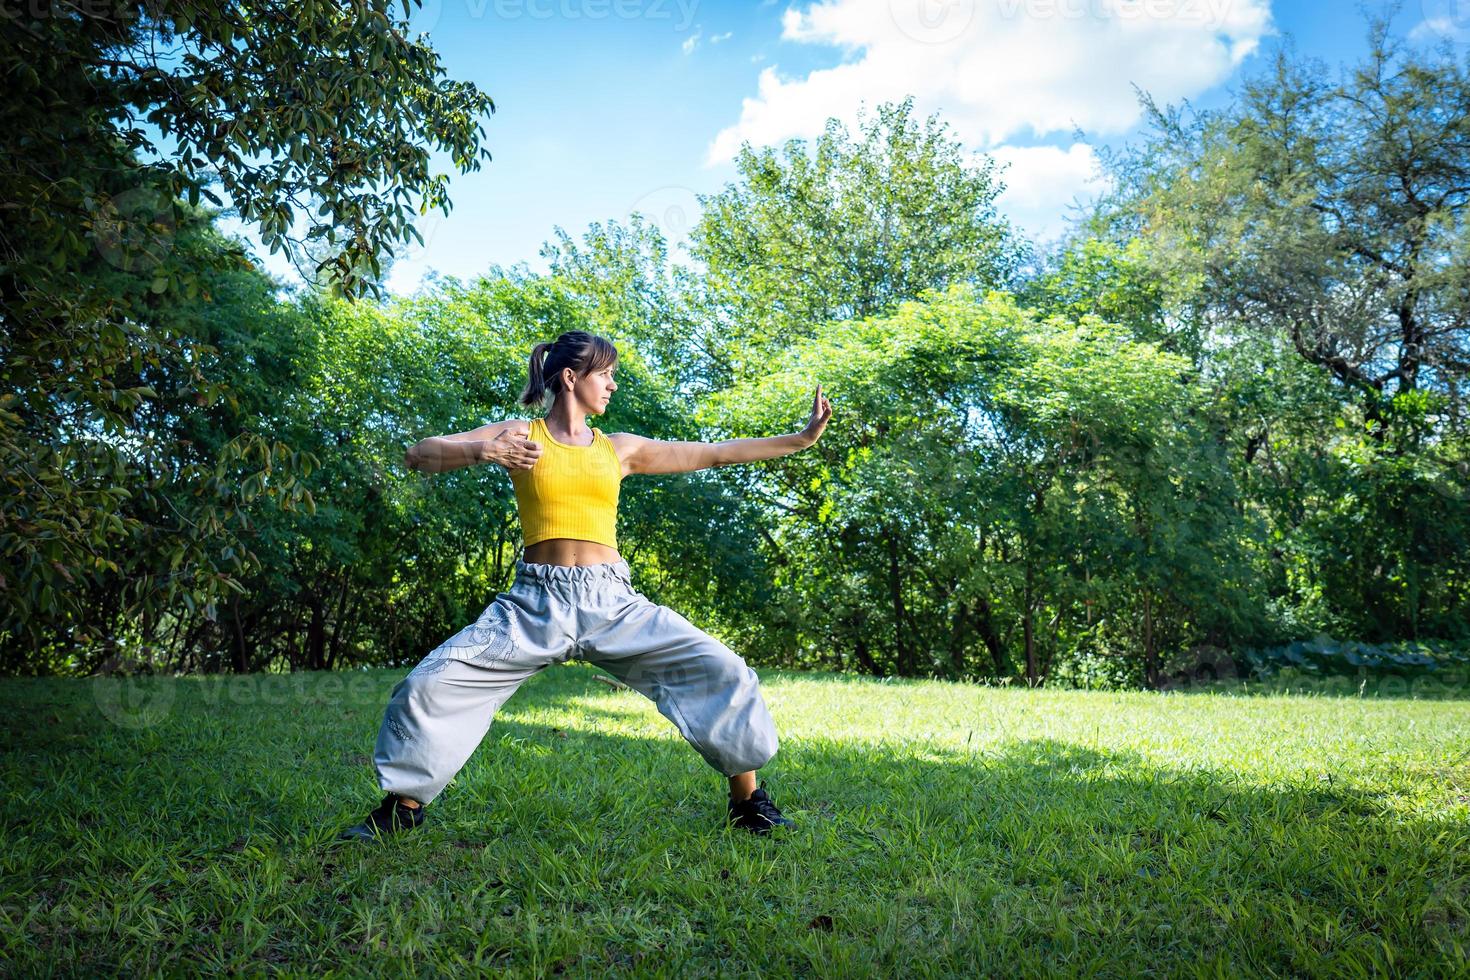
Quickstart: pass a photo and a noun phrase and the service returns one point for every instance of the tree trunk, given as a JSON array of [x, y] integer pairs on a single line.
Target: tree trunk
[[316, 636], [339, 624], [957, 641], [1150, 669], [903, 652], [241, 652], [1032, 677], [985, 626]]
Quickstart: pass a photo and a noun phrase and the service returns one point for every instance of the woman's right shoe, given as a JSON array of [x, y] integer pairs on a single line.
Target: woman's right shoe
[[391, 817], [757, 814]]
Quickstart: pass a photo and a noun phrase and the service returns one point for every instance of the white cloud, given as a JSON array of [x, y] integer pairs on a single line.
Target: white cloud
[[1042, 180], [1437, 28], [691, 42], [717, 38], [999, 69]]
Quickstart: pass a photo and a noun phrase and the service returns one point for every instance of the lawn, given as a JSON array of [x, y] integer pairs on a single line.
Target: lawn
[[186, 825]]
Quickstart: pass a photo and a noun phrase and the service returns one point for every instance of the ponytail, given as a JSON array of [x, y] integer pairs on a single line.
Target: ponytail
[[535, 391], [576, 349]]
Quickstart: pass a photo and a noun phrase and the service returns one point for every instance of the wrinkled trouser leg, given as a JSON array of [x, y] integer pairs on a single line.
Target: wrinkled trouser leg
[[440, 712], [707, 690]]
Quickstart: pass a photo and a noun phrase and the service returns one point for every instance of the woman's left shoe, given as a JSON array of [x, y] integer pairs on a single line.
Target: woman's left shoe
[[390, 817], [757, 814]]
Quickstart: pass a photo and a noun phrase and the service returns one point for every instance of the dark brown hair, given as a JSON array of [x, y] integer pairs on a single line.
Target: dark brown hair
[[576, 349]]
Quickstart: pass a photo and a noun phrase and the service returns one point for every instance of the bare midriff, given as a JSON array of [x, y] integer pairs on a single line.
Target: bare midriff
[[570, 551]]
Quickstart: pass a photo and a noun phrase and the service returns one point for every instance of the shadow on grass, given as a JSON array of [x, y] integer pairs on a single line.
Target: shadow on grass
[[908, 852]]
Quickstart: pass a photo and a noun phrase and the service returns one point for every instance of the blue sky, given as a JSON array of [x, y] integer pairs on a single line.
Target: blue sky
[[609, 106]]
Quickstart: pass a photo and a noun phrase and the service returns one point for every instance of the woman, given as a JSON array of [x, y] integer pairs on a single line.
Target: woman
[[572, 597]]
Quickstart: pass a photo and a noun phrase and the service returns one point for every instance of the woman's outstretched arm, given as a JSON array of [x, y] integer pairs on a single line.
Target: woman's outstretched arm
[[641, 455]]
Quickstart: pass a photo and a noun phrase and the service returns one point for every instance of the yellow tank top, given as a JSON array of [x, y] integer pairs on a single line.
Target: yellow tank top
[[571, 492]]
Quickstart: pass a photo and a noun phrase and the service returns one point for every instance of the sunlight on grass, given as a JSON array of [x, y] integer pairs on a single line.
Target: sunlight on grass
[[187, 824]]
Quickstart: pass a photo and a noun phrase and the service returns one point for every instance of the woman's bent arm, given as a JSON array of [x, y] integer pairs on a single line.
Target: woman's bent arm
[[437, 454], [498, 442]]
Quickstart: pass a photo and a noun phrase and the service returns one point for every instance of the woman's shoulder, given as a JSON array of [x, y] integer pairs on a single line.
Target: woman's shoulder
[[520, 428], [621, 443]]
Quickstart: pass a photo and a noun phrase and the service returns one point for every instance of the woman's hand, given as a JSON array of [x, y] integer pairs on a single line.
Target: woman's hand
[[510, 451], [821, 412]]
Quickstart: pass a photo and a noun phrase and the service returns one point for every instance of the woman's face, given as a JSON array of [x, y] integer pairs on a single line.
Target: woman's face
[[594, 389]]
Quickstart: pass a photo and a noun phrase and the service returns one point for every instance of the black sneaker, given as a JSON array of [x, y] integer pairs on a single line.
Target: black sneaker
[[757, 814], [391, 817]]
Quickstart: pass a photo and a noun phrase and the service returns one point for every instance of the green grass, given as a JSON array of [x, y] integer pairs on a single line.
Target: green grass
[[185, 825]]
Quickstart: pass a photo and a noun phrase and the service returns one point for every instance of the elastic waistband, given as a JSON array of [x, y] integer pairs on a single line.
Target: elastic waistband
[[574, 574]]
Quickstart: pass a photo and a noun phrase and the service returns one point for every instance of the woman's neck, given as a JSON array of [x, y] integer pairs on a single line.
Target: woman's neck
[[568, 423]]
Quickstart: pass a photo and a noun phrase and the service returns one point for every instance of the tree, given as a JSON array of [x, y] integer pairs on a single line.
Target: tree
[[992, 477], [122, 116], [1313, 236], [1330, 214], [847, 232]]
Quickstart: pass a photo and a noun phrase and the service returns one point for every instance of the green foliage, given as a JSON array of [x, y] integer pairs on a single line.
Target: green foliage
[[123, 116], [1334, 215], [1116, 283], [1324, 656], [1311, 237], [388, 562], [1226, 414], [622, 279], [847, 231], [116, 511], [990, 471], [1385, 553], [388, 557]]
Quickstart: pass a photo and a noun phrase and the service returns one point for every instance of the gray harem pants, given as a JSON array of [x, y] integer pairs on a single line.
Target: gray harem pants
[[440, 712]]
